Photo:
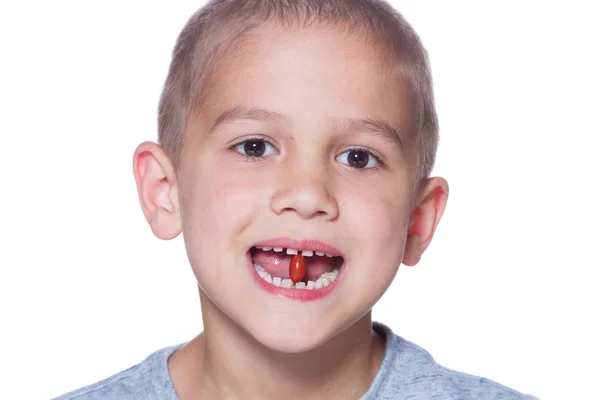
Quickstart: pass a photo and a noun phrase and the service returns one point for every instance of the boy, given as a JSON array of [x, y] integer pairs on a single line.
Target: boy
[[296, 142]]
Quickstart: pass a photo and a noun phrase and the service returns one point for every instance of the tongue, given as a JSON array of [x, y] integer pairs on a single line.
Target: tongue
[[278, 264]]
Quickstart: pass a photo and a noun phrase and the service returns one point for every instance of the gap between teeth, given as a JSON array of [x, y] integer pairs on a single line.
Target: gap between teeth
[[306, 253], [323, 281]]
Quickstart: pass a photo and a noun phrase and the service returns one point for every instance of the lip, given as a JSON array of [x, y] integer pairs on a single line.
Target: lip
[[305, 244], [302, 295]]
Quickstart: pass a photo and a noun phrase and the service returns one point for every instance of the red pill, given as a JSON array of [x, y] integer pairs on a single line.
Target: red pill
[[297, 268]]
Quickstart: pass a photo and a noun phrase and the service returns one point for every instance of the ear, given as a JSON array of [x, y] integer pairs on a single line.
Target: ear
[[157, 189], [430, 205]]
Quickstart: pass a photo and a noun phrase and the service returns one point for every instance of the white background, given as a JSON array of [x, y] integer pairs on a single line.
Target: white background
[[508, 289]]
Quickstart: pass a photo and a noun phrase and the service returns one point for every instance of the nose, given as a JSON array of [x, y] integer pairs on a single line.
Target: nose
[[308, 194]]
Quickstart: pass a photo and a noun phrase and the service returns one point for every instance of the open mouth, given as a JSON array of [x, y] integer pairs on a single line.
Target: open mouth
[[272, 264]]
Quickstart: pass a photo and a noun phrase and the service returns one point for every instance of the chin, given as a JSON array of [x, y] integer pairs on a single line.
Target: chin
[[290, 337]]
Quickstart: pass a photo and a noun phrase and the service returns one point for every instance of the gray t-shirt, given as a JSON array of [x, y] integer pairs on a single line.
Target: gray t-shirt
[[407, 372]]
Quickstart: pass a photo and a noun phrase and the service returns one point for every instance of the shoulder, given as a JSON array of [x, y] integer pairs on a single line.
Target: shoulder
[[408, 371], [146, 380], [481, 388]]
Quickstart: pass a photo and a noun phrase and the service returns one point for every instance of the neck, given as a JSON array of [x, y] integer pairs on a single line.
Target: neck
[[225, 362]]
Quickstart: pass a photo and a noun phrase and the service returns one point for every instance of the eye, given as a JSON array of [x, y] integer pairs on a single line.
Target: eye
[[358, 158], [255, 148]]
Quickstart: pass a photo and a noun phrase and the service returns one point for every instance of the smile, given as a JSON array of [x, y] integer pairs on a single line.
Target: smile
[[270, 261]]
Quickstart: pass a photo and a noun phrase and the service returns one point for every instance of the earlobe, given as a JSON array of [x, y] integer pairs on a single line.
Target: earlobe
[[412, 253], [425, 217], [157, 189]]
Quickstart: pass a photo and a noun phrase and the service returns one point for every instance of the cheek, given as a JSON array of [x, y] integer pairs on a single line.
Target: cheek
[[375, 226], [379, 220], [219, 208]]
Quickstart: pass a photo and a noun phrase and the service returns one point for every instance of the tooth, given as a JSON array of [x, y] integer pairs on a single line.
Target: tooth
[[268, 278], [319, 253], [291, 251], [310, 285], [307, 253], [336, 272], [287, 283], [329, 255], [329, 276], [267, 248], [277, 281], [326, 281], [278, 249], [262, 273], [319, 284], [300, 285], [258, 267]]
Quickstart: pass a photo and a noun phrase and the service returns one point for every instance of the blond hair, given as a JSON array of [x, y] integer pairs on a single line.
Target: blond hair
[[221, 25]]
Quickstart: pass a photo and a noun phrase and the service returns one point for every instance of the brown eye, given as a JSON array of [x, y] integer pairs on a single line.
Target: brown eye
[[358, 158], [255, 148]]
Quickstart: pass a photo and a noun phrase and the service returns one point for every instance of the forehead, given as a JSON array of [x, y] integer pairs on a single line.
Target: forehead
[[315, 76]]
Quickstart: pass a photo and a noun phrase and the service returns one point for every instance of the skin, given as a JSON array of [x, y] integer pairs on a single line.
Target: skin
[[256, 345]]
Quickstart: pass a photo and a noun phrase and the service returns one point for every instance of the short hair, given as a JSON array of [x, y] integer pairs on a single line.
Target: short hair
[[221, 25]]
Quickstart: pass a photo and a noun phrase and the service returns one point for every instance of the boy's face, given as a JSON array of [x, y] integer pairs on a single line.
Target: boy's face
[[302, 170]]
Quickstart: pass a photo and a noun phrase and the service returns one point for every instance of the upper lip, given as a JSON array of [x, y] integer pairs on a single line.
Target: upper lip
[[301, 244]]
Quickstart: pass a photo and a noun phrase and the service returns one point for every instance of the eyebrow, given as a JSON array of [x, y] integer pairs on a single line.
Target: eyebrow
[[375, 126], [256, 114]]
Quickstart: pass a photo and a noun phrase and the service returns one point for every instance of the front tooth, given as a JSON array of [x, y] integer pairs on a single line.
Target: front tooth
[[278, 249], [277, 281], [300, 285], [307, 253], [287, 283], [319, 253], [291, 251], [319, 284], [310, 285]]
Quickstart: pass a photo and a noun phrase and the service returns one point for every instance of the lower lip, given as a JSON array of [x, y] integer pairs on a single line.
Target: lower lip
[[294, 294]]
